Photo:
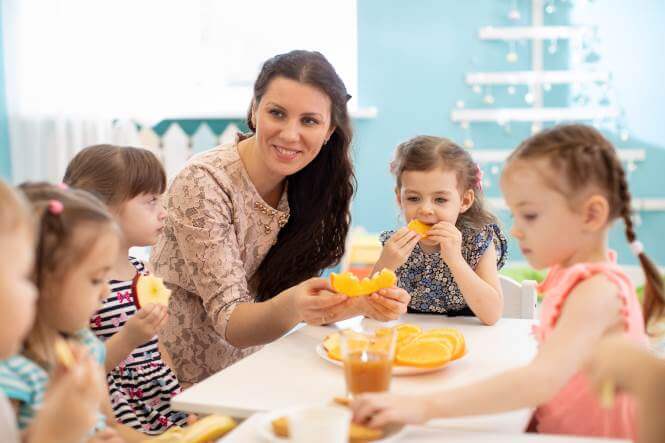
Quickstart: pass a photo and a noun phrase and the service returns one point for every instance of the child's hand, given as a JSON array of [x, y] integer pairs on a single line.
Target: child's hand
[[145, 324], [376, 410], [108, 435], [397, 249], [620, 361], [71, 401], [449, 239], [387, 304]]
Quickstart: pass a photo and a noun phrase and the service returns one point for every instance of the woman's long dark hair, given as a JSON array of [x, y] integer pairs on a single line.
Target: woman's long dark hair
[[319, 194]]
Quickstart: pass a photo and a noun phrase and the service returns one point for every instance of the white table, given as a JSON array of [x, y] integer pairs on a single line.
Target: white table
[[247, 432], [288, 372]]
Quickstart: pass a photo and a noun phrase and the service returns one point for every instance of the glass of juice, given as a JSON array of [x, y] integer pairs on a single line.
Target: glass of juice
[[368, 361]]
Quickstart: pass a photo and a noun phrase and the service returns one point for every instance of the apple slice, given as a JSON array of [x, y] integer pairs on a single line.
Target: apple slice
[[150, 289]]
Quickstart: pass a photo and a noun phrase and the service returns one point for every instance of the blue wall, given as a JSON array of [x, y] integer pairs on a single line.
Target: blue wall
[[5, 162], [412, 62]]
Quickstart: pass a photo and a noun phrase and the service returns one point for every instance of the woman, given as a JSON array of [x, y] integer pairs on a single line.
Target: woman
[[252, 222]]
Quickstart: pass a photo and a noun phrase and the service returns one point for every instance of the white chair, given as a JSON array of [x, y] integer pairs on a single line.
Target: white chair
[[519, 300]]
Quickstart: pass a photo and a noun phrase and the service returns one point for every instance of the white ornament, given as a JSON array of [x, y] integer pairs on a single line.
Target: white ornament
[[547, 86], [535, 128], [514, 15], [550, 9], [494, 170], [512, 57], [464, 125], [476, 89], [459, 104], [512, 90], [624, 135], [528, 97], [468, 143], [488, 99]]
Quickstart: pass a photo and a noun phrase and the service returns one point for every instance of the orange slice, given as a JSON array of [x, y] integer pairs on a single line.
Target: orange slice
[[423, 354], [348, 284], [63, 353], [419, 227], [331, 343], [450, 335]]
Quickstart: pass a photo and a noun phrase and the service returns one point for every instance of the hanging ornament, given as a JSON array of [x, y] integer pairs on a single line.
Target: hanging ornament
[[468, 143], [550, 8], [464, 125], [494, 170], [511, 90], [631, 166], [514, 15], [624, 135], [511, 56], [547, 86], [476, 89], [535, 128], [529, 98], [459, 104], [488, 99], [552, 47]]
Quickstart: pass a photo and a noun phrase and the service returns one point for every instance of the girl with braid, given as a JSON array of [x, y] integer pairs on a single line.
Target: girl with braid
[[564, 186]]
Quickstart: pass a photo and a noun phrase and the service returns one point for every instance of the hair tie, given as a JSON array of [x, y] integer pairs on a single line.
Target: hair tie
[[55, 207], [62, 186], [479, 178], [636, 247]]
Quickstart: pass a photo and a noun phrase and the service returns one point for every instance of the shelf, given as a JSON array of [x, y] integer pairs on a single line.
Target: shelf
[[535, 77], [500, 155], [532, 114], [638, 204], [533, 32]]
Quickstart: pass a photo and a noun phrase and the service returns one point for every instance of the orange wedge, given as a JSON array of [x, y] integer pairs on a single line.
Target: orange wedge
[[423, 354], [419, 227], [331, 343], [450, 335], [348, 284]]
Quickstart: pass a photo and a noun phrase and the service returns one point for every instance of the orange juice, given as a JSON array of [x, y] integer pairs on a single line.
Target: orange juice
[[367, 371]]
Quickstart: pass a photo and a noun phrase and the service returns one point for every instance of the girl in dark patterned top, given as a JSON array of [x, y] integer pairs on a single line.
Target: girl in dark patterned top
[[131, 182], [453, 268]]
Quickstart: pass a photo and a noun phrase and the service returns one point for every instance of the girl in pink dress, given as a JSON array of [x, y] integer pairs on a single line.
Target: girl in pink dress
[[564, 186]]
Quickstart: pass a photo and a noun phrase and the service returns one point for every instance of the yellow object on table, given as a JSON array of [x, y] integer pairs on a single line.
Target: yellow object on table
[[348, 284], [207, 429]]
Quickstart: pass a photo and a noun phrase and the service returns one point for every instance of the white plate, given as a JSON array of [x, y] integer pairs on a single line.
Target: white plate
[[397, 370], [264, 428]]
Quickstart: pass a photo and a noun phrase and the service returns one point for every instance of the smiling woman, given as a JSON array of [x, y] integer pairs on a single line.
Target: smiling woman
[[251, 223]]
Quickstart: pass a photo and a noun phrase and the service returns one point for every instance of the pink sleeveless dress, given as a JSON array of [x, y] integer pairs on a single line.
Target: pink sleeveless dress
[[576, 410]]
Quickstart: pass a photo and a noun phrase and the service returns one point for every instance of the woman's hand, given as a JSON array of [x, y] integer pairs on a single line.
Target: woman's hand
[[387, 304], [449, 239], [316, 303], [376, 410]]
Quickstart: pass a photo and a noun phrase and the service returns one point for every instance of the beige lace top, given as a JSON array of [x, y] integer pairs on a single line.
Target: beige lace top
[[217, 232]]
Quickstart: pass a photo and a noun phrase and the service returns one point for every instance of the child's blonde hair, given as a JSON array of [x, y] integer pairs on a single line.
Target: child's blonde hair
[[14, 210], [60, 214], [583, 157], [425, 153], [116, 174]]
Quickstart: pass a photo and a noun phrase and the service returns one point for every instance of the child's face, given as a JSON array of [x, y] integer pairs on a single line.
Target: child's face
[[292, 122], [70, 302], [548, 230], [17, 291], [432, 197], [141, 219]]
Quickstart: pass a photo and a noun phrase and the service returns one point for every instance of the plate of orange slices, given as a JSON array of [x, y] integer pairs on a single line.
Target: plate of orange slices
[[417, 351]]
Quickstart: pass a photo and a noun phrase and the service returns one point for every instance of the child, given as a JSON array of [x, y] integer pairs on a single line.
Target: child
[[65, 415], [564, 186], [453, 269], [77, 244], [131, 182], [637, 371]]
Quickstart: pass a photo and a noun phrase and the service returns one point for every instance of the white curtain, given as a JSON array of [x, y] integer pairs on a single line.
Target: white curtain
[[79, 71]]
